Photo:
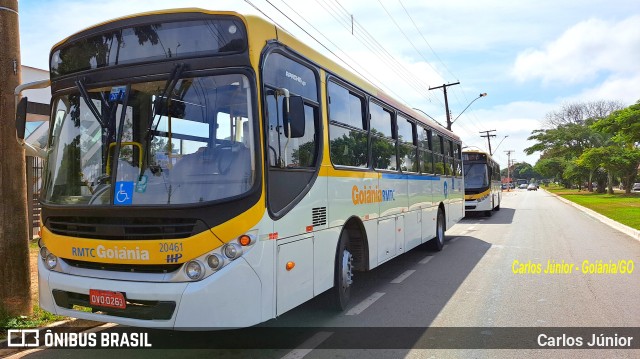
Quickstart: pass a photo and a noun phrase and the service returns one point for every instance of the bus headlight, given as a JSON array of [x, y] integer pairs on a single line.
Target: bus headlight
[[51, 261], [232, 250], [194, 270], [215, 261], [44, 252]]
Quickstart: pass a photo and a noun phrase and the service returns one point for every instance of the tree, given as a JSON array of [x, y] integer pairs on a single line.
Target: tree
[[551, 167], [15, 278], [615, 160], [578, 113], [624, 124], [623, 154], [570, 133]]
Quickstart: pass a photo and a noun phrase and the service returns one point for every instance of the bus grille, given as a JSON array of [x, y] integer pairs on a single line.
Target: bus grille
[[129, 268], [125, 228]]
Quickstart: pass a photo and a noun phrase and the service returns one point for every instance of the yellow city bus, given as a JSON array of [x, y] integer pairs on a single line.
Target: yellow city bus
[[206, 169], [482, 186]]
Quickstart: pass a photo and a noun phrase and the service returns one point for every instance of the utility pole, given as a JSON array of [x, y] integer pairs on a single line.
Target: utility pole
[[15, 275], [509, 152], [446, 101], [488, 136]]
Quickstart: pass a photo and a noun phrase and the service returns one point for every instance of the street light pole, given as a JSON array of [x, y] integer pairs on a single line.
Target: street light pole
[[509, 181], [446, 101], [505, 136], [474, 100]]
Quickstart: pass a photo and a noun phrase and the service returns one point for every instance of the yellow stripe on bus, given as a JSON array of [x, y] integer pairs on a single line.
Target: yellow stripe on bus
[[479, 195], [155, 251], [330, 171], [163, 251]]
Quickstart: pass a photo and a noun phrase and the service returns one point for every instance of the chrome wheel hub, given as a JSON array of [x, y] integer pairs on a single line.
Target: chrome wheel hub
[[347, 269]]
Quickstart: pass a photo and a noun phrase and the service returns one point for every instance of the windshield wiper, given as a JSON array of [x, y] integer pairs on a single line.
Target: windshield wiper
[[92, 107], [158, 105]]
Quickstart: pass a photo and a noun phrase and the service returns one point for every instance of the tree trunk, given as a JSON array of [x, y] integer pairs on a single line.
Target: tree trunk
[[15, 278], [609, 182]]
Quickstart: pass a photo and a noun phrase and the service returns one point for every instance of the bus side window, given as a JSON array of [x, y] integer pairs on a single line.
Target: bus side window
[[426, 156], [438, 157], [348, 128], [294, 152], [383, 142]]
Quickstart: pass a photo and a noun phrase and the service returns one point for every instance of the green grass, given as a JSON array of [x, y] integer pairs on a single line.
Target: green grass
[[39, 318], [620, 207]]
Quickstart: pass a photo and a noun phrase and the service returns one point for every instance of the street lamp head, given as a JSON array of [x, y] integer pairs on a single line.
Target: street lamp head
[[449, 123]]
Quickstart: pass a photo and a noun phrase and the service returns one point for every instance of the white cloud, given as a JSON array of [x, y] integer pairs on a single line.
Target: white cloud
[[614, 88], [583, 52]]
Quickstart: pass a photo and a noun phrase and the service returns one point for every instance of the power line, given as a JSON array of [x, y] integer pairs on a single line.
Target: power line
[[371, 76], [380, 51], [425, 40], [405, 35], [305, 31]]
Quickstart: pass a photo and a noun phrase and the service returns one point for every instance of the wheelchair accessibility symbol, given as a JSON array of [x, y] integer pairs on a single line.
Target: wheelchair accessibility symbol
[[123, 193]]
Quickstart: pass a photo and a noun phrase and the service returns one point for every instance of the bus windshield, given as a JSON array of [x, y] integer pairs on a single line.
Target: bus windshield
[[188, 142], [475, 176]]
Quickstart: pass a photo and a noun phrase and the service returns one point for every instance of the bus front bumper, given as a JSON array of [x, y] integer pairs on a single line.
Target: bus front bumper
[[230, 298]]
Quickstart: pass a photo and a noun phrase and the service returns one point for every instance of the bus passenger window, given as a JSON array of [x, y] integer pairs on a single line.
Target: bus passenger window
[[347, 130]]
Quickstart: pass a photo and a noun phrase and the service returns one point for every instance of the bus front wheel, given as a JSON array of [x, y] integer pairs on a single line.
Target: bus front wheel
[[343, 274]]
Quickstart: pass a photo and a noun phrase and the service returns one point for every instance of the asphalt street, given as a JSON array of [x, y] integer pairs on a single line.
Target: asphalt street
[[490, 276]]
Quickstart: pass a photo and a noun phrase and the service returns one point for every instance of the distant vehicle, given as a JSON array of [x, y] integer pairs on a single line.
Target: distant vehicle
[[523, 186], [636, 187], [481, 183], [532, 187]]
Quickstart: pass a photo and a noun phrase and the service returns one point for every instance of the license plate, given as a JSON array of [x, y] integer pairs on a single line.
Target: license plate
[[106, 298]]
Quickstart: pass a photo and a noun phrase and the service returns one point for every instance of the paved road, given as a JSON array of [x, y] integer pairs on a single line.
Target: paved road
[[470, 283]]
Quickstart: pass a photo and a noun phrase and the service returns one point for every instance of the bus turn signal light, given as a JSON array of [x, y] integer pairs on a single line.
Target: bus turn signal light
[[290, 265], [244, 240]]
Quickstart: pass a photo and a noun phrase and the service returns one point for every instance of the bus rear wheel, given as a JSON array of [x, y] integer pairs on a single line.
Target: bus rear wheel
[[438, 242], [343, 274]]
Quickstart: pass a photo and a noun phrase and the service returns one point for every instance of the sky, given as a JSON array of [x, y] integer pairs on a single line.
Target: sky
[[530, 57]]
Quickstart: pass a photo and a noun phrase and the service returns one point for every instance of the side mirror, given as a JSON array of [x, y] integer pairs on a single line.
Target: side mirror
[[21, 118], [294, 121]]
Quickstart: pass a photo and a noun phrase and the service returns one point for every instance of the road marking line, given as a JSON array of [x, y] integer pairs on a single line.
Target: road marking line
[[308, 345], [364, 304], [403, 276], [426, 260], [471, 228]]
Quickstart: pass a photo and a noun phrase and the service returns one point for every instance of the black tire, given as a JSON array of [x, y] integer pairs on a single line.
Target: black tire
[[497, 208], [343, 274], [437, 243]]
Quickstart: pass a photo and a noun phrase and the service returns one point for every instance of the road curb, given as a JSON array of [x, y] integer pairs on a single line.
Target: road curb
[[632, 232], [72, 325]]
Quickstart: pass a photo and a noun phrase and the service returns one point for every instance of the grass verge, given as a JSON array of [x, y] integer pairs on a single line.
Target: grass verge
[[621, 207], [39, 317]]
